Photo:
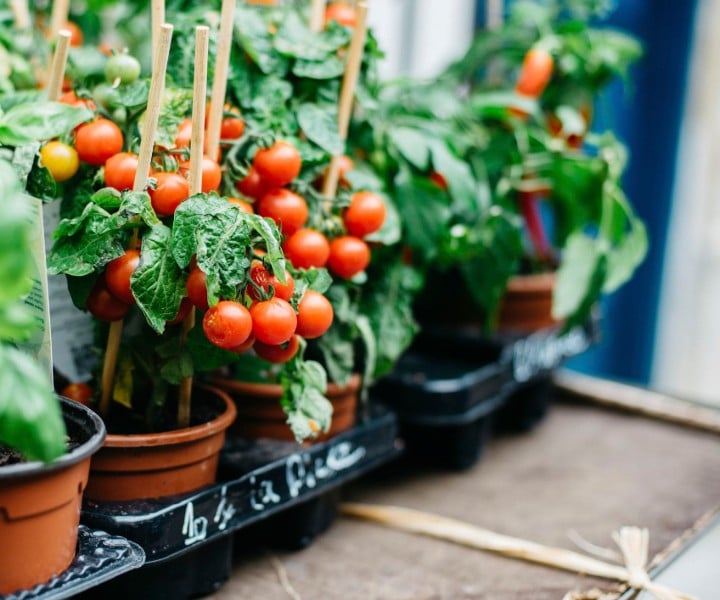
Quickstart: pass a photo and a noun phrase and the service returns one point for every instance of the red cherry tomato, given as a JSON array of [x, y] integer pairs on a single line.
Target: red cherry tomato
[[97, 141], [183, 311], [242, 205], [120, 171], [232, 128], [315, 315], [182, 139], [169, 193], [348, 256], [274, 321], [252, 186], [104, 306], [118, 273], [79, 392], [263, 279], [227, 324], [439, 180], [535, 73], [342, 13], [278, 165], [211, 175], [196, 287], [76, 34], [72, 99], [365, 215], [278, 354], [245, 346], [307, 248], [287, 209]]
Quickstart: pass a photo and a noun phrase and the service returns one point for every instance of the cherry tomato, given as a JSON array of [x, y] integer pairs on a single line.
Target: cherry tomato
[[72, 99], [342, 13], [535, 73], [274, 321], [60, 159], [345, 164], [252, 186], [278, 354], [118, 273], [439, 180], [348, 256], [171, 190], [120, 171], [182, 139], [123, 68], [278, 165], [211, 175], [104, 306], [76, 34], [287, 209], [263, 279], [97, 141], [183, 311], [232, 128], [365, 215], [227, 324], [196, 287], [245, 346], [242, 205], [79, 392], [315, 315], [307, 248]]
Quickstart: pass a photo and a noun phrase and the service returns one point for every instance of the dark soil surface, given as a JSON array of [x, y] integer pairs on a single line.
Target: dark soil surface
[[8, 456]]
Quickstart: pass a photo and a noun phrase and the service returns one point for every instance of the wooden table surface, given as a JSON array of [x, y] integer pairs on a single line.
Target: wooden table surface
[[584, 468]]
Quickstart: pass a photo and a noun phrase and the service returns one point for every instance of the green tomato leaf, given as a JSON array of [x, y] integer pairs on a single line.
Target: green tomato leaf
[[135, 204], [158, 283], [330, 68], [412, 145], [320, 126], [627, 256], [40, 121]]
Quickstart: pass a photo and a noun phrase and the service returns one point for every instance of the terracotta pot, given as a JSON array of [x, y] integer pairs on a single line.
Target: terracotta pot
[[527, 303], [154, 465], [40, 506], [261, 416]]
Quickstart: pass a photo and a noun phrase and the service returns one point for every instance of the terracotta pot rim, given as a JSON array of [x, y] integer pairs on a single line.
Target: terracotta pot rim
[[537, 282], [274, 390], [178, 436], [83, 451]]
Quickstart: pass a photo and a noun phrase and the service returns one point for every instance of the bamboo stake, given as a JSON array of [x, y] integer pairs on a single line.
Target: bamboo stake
[[157, 16], [57, 67], [147, 143], [197, 140], [347, 95], [634, 399], [21, 13], [58, 17], [317, 15], [219, 87]]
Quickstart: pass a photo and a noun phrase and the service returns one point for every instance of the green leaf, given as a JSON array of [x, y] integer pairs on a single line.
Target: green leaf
[[626, 257], [86, 243], [320, 126], [40, 121], [135, 204], [107, 198], [329, 68], [30, 416], [219, 236], [462, 186], [16, 322], [158, 283], [412, 145], [207, 356]]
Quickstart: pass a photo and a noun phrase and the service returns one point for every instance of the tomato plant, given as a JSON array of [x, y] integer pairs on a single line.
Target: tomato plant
[[264, 280], [535, 73], [365, 215], [120, 171], [122, 68], [348, 256], [307, 248], [60, 159], [286, 208], [170, 190], [278, 354], [104, 306], [97, 141], [197, 289], [315, 315], [227, 324], [79, 392], [342, 13], [252, 185], [242, 205], [273, 321], [118, 273], [279, 164]]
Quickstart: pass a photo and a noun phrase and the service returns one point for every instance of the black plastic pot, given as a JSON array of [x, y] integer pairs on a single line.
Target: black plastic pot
[[188, 540]]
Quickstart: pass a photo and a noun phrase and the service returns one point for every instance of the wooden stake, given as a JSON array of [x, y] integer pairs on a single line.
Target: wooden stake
[[347, 95], [157, 17], [317, 15], [21, 12], [57, 67], [197, 140], [219, 87], [58, 17], [147, 143]]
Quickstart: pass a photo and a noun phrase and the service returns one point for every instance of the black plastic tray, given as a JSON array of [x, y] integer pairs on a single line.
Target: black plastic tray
[[184, 537], [99, 558], [453, 388]]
